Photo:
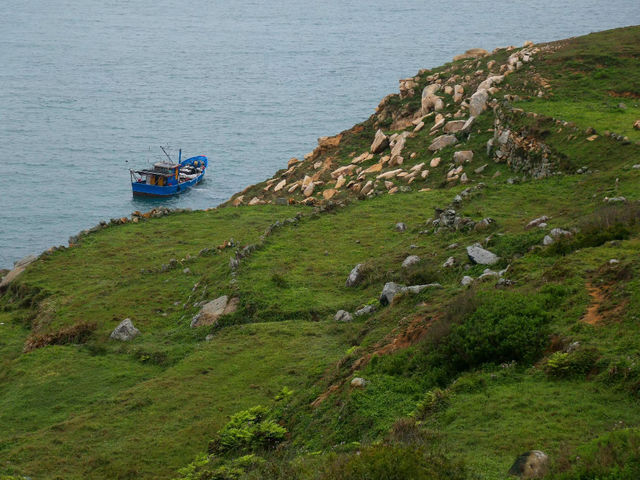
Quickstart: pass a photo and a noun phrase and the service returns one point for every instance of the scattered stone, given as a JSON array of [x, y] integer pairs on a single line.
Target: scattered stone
[[636, 124], [529, 465], [478, 102], [308, 191], [547, 240], [366, 310], [442, 141], [187, 271], [280, 185], [342, 316], [213, 310], [536, 222], [401, 227], [410, 260], [463, 156], [292, 162], [355, 277], [480, 256], [329, 193], [434, 162], [592, 138], [380, 142], [481, 169], [390, 290], [358, 382], [466, 281], [559, 232], [615, 199], [419, 288], [454, 126], [125, 331], [450, 262]]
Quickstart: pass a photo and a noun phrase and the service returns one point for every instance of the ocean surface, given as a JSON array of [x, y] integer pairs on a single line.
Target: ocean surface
[[91, 88]]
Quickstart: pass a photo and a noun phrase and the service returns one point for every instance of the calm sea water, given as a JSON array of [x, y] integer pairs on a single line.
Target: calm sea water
[[89, 85]]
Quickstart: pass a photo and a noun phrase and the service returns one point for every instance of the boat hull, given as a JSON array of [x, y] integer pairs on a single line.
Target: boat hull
[[141, 189], [144, 190]]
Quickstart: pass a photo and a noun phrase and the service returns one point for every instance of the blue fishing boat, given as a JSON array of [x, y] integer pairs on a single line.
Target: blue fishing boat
[[169, 178]]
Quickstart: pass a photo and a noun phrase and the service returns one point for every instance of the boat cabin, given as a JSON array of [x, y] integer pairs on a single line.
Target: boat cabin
[[163, 174]]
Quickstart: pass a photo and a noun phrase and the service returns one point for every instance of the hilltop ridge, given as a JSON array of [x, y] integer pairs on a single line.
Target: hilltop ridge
[[447, 290]]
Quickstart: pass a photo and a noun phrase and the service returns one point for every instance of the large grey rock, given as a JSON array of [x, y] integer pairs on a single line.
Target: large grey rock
[[380, 142], [390, 290], [478, 102], [213, 310], [533, 464], [442, 141], [355, 277], [410, 260], [125, 331], [479, 255], [342, 316]]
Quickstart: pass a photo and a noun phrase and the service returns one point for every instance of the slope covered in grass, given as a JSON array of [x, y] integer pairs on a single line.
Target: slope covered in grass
[[453, 381]]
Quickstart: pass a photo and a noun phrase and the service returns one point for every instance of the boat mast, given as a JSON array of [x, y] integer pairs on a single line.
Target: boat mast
[[165, 152]]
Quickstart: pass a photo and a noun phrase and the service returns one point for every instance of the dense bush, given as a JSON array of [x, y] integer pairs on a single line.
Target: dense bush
[[505, 326]]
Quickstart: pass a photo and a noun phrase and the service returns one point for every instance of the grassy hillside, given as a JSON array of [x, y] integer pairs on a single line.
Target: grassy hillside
[[454, 381]]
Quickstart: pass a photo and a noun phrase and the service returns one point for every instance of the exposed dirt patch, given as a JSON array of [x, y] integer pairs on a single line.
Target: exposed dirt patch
[[624, 94], [598, 297], [600, 309], [396, 340]]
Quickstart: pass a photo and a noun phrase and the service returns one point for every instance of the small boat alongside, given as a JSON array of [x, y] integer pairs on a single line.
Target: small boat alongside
[[168, 178]]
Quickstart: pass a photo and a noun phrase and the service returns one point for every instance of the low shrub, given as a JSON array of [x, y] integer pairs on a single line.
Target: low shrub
[[392, 462], [433, 401], [612, 222], [613, 456], [567, 365], [78, 333], [248, 430]]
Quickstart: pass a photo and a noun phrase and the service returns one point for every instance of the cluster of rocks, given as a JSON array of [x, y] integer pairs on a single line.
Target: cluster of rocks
[[522, 153]]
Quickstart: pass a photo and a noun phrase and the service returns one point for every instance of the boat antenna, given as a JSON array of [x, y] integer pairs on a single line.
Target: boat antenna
[[165, 152]]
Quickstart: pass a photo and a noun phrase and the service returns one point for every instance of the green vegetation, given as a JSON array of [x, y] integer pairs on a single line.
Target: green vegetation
[[450, 382]]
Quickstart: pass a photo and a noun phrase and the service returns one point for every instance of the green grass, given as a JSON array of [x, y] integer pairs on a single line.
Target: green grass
[[146, 408]]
